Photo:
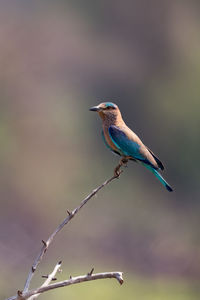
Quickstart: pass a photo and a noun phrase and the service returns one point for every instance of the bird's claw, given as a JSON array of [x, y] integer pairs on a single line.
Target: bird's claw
[[124, 162], [117, 171]]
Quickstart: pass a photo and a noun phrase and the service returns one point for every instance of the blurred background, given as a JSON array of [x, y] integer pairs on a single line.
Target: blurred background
[[58, 58]]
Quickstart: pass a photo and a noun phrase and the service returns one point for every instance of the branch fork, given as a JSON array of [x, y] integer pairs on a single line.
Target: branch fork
[[47, 285]]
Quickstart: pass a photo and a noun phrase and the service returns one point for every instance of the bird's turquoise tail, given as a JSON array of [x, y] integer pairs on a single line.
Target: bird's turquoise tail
[[160, 178]]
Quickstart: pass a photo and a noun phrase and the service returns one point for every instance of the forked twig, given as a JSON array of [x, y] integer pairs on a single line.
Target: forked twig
[[73, 280], [49, 277], [58, 229], [26, 293]]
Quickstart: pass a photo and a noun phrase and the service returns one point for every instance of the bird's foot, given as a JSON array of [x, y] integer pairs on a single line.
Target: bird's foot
[[124, 162], [117, 170]]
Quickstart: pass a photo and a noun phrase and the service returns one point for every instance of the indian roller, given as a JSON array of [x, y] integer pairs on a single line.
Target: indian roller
[[120, 139]]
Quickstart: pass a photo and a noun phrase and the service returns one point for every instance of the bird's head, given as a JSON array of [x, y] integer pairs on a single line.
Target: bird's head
[[106, 110]]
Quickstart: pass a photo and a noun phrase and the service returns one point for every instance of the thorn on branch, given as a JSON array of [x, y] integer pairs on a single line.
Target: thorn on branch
[[54, 279], [90, 273], [44, 243], [33, 269], [60, 262], [19, 293], [69, 212], [47, 276], [70, 277]]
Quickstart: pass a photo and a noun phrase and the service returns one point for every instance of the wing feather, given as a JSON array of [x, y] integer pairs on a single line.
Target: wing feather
[[129, 147]]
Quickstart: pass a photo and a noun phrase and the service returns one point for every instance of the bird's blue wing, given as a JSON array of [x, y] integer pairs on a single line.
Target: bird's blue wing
[[126, 146]]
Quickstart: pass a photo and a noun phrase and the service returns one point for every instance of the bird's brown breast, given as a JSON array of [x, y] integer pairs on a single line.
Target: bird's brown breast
[[108, 138]]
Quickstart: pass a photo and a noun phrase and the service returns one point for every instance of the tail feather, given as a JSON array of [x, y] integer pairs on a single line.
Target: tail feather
[[160, 178]]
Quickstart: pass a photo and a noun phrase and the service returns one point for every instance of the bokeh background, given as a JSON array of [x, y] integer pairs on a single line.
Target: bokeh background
[[58, 58]]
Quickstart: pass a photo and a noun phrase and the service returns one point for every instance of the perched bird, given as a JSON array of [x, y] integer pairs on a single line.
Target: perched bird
[[120, 139]]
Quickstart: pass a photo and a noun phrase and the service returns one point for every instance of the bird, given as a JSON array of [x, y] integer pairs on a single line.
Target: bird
[[121, 140]]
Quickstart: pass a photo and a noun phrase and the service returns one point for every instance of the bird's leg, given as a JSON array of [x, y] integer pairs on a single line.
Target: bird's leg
[[122, 162]]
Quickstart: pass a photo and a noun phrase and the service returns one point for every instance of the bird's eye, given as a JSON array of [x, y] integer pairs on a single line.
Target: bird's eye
[[110, 107]]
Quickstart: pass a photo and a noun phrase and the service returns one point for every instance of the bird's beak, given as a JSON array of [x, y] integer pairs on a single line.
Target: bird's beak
[[95, 108]]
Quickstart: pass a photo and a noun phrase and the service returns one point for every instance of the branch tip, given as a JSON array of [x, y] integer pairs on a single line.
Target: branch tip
[[119, 277], [60, 262]]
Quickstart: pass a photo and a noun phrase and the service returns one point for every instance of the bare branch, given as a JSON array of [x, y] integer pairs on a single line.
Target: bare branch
[[73, 280], [49, 277], [58, 229]]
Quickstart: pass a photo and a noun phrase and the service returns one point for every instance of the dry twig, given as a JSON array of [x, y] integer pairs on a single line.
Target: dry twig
[[25, 294], [72, 280], [58, 229]]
